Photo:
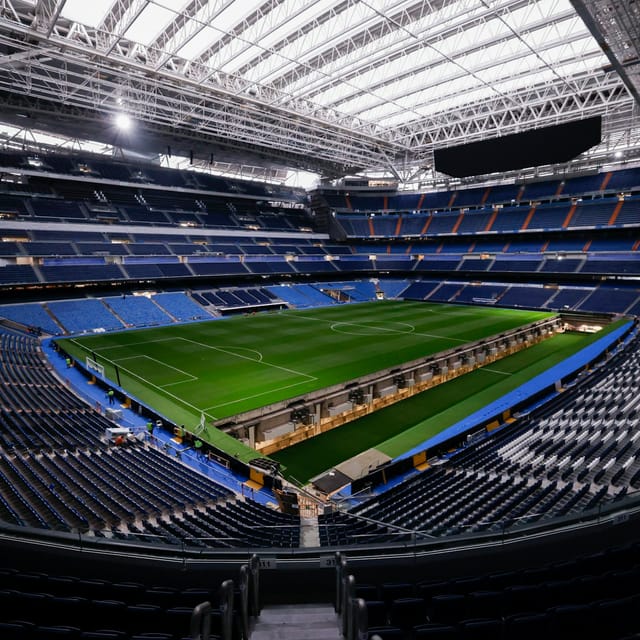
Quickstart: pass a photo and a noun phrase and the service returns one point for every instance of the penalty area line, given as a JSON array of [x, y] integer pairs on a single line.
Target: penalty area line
[[257, 395], [162, 392], [230, 352], [131, 344], [188, 376]]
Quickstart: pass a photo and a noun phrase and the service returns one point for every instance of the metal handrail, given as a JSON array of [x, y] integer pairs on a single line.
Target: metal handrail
[[360, 624], [249, 591], [243, 588], [354, 619], [341, 567], [255, 601], [200, 626], [348, 594], [616, 510], [226, 609]]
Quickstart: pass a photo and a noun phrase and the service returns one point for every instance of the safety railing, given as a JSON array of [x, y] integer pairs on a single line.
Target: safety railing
[[235, 617], [249, 593], [200, 626], [352, 610], [226, 609]]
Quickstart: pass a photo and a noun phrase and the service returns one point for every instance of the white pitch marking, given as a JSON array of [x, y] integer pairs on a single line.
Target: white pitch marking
[[232, 353], [131, 344], [368, 326], [256, 395], [188, 376], [336, 327], [178, 400]]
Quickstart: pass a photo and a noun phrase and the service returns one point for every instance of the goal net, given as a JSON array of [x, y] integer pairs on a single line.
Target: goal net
[[92, 365]]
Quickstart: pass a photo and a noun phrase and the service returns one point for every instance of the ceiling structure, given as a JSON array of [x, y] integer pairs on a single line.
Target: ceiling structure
[[336, 87]]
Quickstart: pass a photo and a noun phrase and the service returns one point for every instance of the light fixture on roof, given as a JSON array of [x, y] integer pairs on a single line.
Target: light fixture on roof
[[123, 121]]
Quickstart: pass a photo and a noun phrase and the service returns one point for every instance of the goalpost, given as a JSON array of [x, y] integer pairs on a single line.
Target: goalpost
[[201, 426], [92, 365]]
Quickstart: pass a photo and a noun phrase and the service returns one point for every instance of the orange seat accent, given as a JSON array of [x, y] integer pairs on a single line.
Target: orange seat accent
[[567, 220], [458, 222], [527, 220], [616, 211], [492, 219]]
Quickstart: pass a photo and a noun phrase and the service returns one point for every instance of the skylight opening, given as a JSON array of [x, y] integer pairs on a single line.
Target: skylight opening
[[423, 58], [439, 106], [386, 72], [445, 79]]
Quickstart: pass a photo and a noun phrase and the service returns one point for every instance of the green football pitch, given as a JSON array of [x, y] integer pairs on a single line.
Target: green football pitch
[[400, 427], [225, 367]]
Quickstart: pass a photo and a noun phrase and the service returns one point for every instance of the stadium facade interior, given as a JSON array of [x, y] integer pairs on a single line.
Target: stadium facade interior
[[477, 155]]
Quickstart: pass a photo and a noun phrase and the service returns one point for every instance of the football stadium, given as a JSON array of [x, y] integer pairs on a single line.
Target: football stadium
[[319, 319]]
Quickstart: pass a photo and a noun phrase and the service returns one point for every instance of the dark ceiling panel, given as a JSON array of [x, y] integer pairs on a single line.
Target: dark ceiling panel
[[548, 145]]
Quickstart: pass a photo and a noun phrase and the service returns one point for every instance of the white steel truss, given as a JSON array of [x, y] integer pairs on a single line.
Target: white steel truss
[[332, 86], [616, 26]]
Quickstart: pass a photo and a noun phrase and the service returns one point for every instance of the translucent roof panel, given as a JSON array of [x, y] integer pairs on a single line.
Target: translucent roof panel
[[153, 20], [90, 14], [198, 43], [330, 31], [261, 36], [227, 16], [514, 49], [394, 46], [374, 60], [339, 79]]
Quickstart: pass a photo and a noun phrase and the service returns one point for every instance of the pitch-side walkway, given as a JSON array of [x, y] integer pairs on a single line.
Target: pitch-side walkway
[[95, 395]]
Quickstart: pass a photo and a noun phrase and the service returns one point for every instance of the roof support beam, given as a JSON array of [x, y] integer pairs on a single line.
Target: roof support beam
[[538, 106], [618, 36], [342, 85], [122, 15], [14, 60], [47, 13], [187, 25]]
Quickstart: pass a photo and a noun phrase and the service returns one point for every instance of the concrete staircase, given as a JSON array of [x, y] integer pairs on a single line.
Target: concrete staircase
[[309, 532], [297, 622]]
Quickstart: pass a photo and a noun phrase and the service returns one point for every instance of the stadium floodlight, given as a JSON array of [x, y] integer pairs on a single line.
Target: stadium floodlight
[[123, 121]]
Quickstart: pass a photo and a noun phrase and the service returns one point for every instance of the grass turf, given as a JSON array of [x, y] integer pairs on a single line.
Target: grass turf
[[397, 428], [222, 368]]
